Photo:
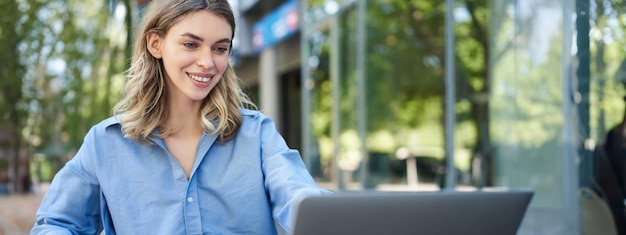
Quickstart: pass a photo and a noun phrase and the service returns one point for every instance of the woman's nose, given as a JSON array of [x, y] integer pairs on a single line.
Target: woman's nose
[[205, 60]]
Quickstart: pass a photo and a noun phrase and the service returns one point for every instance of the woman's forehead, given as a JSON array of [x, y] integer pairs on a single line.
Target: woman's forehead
[[203, 23]]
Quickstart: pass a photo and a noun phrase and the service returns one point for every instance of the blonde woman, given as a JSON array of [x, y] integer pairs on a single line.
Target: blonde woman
[[183, 154]]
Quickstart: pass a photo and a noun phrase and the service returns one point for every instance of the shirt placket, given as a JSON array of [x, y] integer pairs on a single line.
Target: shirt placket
[[193, 220], [193, 223]]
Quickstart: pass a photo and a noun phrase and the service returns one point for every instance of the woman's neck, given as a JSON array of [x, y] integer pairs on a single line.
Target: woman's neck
[[183, 119]]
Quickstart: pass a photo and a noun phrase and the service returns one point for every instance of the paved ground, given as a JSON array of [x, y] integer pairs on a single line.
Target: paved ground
[[17, 213]]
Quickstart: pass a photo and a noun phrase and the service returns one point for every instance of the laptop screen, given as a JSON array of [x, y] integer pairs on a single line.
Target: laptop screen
[[398, 213]]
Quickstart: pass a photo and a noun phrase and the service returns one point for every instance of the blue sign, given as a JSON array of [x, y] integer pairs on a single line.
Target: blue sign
[[276, 26]]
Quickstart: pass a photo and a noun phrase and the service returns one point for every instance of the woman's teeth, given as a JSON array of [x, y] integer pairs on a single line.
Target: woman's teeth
[[199, 79]]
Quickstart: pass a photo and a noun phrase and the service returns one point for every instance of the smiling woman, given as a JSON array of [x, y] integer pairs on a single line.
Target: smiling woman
[[194, 55], [185, 153]]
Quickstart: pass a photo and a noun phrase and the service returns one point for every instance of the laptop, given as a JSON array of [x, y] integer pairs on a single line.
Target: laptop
[[399, 213]]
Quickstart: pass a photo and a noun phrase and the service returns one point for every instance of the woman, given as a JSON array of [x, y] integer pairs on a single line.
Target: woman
[[182, 155]]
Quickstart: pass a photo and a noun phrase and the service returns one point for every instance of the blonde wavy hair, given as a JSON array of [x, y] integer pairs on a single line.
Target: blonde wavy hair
[[144, 105]]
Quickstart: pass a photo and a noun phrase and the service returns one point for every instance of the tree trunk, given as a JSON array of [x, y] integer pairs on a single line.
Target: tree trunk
[[11, 97]]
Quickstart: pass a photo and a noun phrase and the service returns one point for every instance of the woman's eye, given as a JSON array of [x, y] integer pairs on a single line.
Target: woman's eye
[[221, 49], [190, 45]]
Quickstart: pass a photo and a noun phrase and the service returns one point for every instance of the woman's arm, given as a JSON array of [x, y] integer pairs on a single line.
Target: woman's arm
[[286, 177], [72, 203]]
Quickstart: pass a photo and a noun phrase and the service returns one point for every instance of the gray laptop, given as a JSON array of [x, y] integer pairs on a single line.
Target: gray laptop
[[399, 213]]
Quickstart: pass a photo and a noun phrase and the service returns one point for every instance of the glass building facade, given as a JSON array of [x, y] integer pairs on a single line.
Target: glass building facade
[[505, 94], [456, 95]]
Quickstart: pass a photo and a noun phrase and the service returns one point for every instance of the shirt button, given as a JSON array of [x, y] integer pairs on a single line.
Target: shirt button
[[190, 199]]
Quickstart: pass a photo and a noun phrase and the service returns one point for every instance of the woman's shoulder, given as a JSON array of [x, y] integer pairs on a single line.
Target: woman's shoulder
[[252, 114], [105, 124], [255, 118], [110, 121]]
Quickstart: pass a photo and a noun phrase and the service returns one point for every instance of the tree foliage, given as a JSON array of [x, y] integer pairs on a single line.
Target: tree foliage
[[11, 98], [405, 64], [65, 72]]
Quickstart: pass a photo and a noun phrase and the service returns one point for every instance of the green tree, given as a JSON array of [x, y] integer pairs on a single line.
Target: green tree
[[405, 63], [406, 49], [66, 70], [11, 100]]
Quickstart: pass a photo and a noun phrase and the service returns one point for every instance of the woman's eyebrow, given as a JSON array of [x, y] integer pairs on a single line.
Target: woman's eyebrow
[[196, 37], [225, 40], [191, 35]]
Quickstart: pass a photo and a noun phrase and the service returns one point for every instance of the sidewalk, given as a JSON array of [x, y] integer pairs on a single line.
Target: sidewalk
[[17, 213]]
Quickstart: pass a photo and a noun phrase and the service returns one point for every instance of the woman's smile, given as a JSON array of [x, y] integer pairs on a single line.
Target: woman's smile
[[201, 78]]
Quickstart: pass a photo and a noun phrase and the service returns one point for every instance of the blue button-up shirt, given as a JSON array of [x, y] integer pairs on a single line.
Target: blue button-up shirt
[[246, 185]]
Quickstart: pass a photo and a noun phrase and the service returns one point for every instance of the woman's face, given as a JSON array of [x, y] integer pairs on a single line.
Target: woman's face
[[194, 53]]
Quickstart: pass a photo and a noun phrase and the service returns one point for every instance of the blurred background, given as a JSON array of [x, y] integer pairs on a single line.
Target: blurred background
[[399, 95]]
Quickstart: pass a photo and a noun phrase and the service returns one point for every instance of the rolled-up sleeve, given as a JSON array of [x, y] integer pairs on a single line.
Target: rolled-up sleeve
[[72, 203]]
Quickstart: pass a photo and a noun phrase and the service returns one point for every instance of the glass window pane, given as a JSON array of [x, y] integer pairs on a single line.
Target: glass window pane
[[404, 93], [321, 155]]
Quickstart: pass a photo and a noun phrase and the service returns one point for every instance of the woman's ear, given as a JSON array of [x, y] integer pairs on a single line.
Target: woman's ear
[[154, 42]]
